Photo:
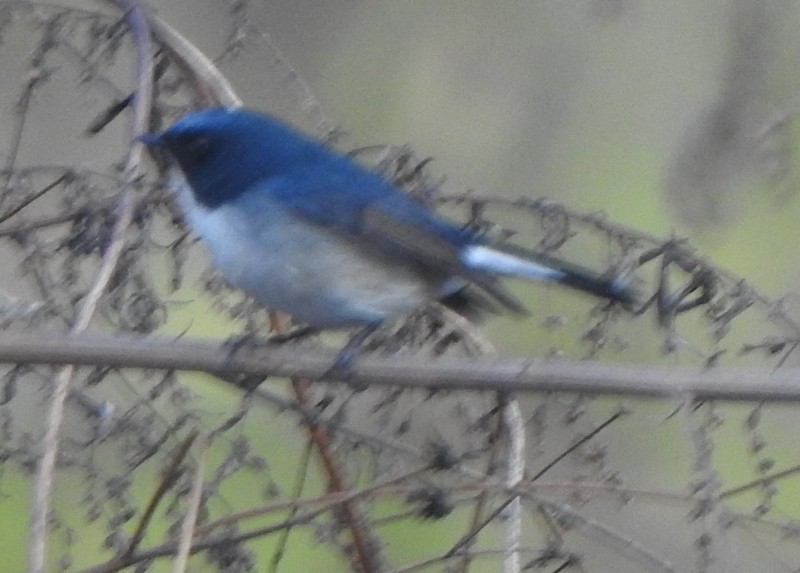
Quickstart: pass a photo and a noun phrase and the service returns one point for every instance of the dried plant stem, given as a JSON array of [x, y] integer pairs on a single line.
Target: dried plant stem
[[190, 519], [364, 557], [214, 87], [168, 478], [515, 473], [43, 483]]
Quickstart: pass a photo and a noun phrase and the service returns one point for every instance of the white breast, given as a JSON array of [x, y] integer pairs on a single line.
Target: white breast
[[289, 264]]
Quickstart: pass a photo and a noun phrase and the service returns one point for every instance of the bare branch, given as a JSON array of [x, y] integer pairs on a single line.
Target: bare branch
[[190, 519], [43, 485], [512, 375], [195, 61]]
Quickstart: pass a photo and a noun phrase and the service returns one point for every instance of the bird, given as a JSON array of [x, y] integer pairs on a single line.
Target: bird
[[307, 230]]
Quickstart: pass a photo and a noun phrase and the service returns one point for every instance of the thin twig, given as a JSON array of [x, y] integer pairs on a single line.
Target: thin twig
[[766, 480], [625, 545], [323, 126], [328, 502], [11, 212], [515, 429], [36, 76], [196, 63], [482, 501], [166, 549], [365, 557], [168, 478], [43, 483], [583, 439], [190, 519], [515, 499], [299, 481], [390, 486]]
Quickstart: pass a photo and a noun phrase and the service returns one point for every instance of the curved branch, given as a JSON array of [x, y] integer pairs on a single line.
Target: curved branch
[[43, 483]]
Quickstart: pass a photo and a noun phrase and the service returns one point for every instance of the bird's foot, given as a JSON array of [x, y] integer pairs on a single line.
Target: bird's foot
[[343, 364], [236, 342]]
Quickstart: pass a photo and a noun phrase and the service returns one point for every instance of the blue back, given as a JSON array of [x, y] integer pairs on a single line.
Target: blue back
[[225, 153]]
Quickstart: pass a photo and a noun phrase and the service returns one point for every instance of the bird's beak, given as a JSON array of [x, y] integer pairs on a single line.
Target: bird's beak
[[151, 139]]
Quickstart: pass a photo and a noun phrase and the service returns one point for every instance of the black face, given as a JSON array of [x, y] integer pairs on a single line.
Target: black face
[[222, 153], [191, 151]]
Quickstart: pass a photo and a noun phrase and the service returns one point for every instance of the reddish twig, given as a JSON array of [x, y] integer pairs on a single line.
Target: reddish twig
[[364, 558]]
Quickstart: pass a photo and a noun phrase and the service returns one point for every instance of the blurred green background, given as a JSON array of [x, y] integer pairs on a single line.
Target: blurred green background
[[674, 118]]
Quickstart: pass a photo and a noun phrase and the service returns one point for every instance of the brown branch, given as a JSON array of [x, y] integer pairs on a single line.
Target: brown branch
[[494, 374], [365, 557], [388, 487], [167, 549], [766, 480], [327, 502], [168, 479]]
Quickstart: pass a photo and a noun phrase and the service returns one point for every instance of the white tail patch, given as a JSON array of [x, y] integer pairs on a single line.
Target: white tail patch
[[484, 258]]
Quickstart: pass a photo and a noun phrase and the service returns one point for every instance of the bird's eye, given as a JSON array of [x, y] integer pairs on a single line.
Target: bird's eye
[[197, 149]]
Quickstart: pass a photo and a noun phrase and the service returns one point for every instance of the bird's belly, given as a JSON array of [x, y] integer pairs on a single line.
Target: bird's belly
[[309, 272]]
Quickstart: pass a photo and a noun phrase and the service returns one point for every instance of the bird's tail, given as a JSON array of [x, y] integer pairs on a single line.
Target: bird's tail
[[518, 262]]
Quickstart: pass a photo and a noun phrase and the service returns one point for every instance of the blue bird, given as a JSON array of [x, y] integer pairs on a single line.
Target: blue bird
[[308, 231]]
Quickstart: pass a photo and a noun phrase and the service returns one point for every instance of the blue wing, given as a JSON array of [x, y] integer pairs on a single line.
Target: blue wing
[[340, 194]]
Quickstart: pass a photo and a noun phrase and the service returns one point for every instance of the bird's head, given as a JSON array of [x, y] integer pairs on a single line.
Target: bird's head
[[222, 152]]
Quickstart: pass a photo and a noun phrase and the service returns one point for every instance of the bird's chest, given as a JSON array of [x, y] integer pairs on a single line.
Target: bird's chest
[[321, 278], [253, 249]]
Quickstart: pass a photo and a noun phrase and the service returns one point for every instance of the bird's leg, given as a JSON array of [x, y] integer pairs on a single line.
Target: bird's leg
[[344, 360]]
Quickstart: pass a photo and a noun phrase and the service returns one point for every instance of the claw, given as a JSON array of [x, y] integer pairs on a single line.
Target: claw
[[342, 365]]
